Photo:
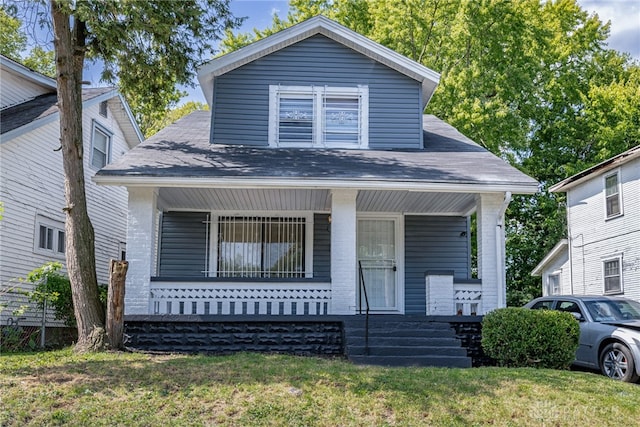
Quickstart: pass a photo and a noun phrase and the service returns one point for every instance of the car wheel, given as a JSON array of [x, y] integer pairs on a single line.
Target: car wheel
[[617, 363]]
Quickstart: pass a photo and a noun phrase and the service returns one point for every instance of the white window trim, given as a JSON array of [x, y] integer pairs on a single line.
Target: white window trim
[[620, 271], [318, 92], [557, 274], [95, 126], [213, 233], [604, 181], [56, 226]]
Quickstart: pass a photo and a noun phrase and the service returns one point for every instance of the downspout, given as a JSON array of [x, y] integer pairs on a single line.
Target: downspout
[[500, 251]]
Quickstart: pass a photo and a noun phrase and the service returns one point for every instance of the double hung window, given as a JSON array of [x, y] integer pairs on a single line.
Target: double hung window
[[100, 146], [612, 275], [612, 195], [318, 116]]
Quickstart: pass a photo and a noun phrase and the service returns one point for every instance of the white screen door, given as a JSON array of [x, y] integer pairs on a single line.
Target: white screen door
[[377, 255]]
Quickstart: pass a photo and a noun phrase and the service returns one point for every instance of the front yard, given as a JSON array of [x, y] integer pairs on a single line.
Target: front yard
[[62, 388]]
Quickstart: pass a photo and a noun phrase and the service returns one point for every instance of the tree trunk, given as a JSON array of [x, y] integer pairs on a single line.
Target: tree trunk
[[69, 45], [115, 303]]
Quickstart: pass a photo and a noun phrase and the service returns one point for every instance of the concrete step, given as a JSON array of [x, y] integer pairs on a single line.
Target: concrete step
[[378, 350], [392, 332], [438, 361], [404, 341]]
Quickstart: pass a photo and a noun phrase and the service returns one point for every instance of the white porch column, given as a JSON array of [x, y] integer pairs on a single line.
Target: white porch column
[[343, 252], [141, 239], [491, 263]]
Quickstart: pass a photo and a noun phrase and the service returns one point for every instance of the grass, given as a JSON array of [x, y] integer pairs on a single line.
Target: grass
[[64, 388]]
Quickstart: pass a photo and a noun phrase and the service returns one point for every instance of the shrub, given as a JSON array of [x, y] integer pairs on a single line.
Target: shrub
[[54, 288], [521, 337]]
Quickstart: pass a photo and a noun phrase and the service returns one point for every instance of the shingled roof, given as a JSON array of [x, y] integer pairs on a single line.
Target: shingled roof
[[40, 107], [182, 152]]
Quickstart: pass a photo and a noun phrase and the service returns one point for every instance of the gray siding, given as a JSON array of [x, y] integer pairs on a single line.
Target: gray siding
[[183, 244], [241, 97], [321, 246], [432, 243]]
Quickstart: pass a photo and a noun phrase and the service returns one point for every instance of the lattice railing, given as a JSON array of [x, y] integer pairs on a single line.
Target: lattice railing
[[240, 299], [467, 298]]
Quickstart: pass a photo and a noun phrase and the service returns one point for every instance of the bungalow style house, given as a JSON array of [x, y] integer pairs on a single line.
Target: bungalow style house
[[32, 230], [314, 188], [601, 254]]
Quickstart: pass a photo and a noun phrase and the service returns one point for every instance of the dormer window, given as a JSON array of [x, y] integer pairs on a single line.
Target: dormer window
[[318, 116]]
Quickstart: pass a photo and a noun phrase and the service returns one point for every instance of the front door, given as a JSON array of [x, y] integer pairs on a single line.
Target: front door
[[377, 256]]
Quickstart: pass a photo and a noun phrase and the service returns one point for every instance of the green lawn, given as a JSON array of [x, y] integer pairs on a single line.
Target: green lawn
[[62, 388]]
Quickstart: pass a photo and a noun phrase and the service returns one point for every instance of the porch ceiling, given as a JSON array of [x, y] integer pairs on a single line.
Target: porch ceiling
[[313, 200]]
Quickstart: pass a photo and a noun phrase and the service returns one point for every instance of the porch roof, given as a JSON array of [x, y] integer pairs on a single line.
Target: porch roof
[[181, 156]]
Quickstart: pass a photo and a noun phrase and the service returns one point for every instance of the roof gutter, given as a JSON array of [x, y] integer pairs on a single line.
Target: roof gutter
[[314, 183]]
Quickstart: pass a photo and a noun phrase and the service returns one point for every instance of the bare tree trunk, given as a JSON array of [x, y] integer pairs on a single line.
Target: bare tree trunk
[[115, 303], [69, 45]]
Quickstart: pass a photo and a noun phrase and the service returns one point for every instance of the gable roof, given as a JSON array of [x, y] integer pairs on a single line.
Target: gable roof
[[560, 248], [598, 169], [181, 155], [328, 28]]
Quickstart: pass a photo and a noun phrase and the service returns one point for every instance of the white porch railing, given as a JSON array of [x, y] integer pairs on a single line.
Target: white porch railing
[[467, 298], [232, 298]]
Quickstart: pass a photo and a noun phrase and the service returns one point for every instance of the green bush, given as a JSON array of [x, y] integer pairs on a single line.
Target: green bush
[[519, 337], [55, 288]]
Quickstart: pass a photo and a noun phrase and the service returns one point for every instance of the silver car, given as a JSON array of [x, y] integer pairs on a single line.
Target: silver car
[[609, 332]]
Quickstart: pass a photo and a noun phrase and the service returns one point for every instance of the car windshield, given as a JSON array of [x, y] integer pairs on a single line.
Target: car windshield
[[613, 310]]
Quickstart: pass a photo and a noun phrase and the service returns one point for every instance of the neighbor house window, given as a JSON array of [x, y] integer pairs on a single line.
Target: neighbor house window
[[612, 275], [103, 109], [318, 116], [553, 284], [100, 146], [50, 237], [612, 195], [261, 247]]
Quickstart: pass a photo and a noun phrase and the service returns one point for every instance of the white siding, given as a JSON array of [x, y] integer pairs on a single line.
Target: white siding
[[15, 90], [32, 184], [593, 238], [559, 265]]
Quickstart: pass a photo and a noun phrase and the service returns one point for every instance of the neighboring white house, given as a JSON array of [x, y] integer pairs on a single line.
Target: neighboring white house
[[602, 253], [32, 182]]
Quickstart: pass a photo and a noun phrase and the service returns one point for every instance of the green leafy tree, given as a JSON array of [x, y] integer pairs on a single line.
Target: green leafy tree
[[148, 47], [531, 81], [42, 61], [13, 42]]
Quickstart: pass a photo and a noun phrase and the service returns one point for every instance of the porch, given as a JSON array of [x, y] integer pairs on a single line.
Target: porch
[[234, 251]]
